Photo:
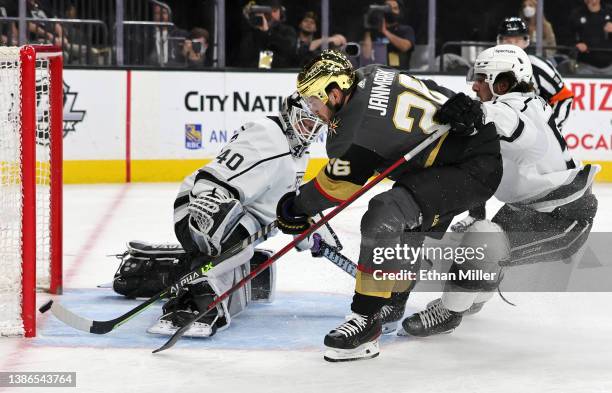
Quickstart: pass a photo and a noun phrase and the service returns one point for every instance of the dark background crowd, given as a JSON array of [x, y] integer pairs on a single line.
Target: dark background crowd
[[286, 34]]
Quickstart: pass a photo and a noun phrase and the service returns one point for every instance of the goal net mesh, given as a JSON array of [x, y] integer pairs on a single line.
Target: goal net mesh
[[11, 205]]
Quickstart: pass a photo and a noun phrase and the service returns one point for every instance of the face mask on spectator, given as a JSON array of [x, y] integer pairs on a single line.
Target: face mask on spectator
[[529, 11]]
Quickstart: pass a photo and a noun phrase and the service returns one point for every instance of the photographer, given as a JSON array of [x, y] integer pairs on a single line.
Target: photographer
[[384, 29], [267, 41], [195, 49], [307, 46]]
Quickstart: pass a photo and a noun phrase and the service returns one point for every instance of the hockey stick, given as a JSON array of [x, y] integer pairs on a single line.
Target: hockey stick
[[103, 327], [332, 254], [429, 140]]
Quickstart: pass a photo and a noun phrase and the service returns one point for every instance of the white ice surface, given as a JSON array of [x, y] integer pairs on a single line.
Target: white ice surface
[[549, 343]]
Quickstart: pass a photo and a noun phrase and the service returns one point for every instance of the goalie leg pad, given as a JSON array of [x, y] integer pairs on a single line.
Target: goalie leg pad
[[263, 286]]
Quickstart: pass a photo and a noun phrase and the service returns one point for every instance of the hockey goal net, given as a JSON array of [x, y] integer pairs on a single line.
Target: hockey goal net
[[31, 127]]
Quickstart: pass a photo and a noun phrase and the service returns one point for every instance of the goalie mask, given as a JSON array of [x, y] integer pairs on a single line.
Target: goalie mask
[[498, 60], [300, 125]]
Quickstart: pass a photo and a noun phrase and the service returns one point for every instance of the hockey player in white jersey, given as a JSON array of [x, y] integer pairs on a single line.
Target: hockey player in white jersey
[[547, 81], [547, 195], [229, 199]]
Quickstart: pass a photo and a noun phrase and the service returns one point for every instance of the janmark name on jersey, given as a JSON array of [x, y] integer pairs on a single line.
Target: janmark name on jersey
[[381, 90]]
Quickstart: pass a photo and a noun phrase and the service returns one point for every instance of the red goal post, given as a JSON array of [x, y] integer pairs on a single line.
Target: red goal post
[[31, 132]]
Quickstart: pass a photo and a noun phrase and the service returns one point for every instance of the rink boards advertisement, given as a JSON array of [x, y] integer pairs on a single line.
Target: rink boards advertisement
[[161, 125]]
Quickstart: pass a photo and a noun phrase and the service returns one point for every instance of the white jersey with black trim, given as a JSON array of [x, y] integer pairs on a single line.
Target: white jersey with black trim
[[535, 157], [256, 167], [549, 85]]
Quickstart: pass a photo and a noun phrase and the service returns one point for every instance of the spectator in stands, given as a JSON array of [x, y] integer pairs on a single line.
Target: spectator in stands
[[160, 39], [398, 38], [528, 14], [9, 35], [195, 49], [592, 25], [44, 32], [267, 42], [77, 35], [307, 46]]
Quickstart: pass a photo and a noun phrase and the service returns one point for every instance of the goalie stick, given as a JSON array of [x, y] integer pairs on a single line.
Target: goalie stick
[[435, 135], [103, 327]]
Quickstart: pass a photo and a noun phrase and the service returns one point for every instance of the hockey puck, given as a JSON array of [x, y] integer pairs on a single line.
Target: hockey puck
[[46, 307]]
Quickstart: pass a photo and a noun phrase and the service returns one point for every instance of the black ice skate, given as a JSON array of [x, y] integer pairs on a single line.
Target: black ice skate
[[392, 313], [355, 339], [436, 319], [474, 308]]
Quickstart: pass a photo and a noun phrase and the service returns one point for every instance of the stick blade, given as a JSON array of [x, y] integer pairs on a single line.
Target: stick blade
[[174, 339], [68, 317]]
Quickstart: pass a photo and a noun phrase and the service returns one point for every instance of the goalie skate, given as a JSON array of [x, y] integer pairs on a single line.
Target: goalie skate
[[169, 323]]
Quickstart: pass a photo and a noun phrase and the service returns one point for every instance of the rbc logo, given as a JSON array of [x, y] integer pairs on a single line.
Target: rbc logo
[[193, 136]]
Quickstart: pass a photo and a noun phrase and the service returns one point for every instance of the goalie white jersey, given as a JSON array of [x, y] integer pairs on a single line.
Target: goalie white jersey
[[256, 167], [535, 156]]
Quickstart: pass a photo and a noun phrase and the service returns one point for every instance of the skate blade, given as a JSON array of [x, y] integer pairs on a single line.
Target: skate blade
[[366, 351], [389, 327], [198, 330], [404, 333]]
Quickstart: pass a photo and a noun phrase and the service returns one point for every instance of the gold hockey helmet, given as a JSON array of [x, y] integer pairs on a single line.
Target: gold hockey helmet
[[328, 67]]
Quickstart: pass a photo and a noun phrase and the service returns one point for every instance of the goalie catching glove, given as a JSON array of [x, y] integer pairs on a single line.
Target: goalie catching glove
[[213, 217], [462, 113]]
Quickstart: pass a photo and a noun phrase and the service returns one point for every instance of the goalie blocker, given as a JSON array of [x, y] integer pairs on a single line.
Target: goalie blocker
[[148, 268]]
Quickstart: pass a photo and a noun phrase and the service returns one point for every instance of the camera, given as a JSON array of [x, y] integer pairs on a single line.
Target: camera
[[374, 16], [196, 46], [352, 49], [253, 14]]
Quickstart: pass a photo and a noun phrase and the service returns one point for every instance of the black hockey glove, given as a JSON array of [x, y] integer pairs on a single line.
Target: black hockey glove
[[289, 221], [464, 114]]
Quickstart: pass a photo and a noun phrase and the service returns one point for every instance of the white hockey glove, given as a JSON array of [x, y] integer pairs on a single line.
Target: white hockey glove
[[463, 225], [212, 218]]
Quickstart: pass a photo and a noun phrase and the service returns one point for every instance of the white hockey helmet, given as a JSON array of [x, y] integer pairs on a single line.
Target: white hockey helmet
[[300, 124], [500, 59]]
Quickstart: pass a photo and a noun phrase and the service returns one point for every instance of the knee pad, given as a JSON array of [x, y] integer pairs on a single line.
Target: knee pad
[[476, 267], [263, 286], [390, 213]]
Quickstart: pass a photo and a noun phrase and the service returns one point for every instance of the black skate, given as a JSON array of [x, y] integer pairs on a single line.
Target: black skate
[[436, 319], [355, 339], [392, 313], [474, 308]]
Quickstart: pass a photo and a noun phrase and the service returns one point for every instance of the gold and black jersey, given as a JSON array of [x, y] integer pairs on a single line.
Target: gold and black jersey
[[388, 114]]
